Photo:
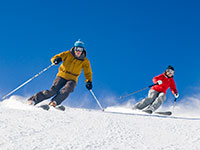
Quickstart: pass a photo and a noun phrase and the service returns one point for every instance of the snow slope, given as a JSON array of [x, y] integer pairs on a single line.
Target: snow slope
[[25, 127]]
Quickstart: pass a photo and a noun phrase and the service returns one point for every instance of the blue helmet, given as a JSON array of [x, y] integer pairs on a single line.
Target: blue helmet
[[79, 43]]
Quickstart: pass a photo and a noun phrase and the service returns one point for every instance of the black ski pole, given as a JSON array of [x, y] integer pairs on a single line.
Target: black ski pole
[[137, 91]]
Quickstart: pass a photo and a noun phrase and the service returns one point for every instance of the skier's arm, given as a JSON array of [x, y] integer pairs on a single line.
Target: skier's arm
[[87, 71], [157, 78], [173, 88], [62, 55]]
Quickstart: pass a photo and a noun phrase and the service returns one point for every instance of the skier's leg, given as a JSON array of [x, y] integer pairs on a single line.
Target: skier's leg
[[58, 83], [64, 92], [158, 101], [146, 101]]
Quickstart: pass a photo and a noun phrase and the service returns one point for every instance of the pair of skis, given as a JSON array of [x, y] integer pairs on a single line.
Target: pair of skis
[[167, 113], [47, 107]]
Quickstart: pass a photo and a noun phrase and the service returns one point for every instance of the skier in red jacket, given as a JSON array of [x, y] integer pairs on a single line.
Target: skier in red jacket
[[157, 94]]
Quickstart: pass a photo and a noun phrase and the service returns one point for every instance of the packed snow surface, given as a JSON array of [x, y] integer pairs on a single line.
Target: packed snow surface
[[24, 127]]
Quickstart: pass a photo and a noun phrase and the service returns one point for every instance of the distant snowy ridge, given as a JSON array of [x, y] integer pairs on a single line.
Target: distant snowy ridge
[[26, 127]]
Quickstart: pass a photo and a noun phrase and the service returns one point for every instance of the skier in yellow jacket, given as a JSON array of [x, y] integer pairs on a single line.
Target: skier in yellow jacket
[[73, 61]]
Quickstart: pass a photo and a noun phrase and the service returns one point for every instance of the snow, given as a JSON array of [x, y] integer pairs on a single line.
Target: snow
[[118, 128]]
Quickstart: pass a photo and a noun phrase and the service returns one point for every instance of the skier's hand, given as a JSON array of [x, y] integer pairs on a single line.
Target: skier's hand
[[57, 60], [89, 85], [176, 95], [159, 82]]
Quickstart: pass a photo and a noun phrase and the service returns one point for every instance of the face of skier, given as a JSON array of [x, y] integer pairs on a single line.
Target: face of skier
[[78, 51], [170, 72]]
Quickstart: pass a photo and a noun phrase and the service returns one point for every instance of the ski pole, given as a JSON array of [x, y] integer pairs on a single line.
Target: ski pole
[[174, 104], [137, 91], [28, 81], [96, 100]]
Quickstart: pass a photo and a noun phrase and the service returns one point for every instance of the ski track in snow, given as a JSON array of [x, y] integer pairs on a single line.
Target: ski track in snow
[[24, 127]]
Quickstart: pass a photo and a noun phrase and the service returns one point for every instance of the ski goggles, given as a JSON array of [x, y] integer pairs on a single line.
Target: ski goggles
[[170, 71], [80, 49]]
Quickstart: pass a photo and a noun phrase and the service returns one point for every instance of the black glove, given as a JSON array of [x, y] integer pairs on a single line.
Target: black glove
[[89, 85], [57, 60]]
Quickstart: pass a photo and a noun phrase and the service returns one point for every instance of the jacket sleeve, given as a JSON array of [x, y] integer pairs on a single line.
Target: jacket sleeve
[[63, 56], [173, 87], [87, 71], [155, 79]]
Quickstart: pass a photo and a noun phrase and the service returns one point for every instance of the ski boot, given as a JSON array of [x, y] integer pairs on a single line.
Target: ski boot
[[31, 102], [149, 111], [52, 103]]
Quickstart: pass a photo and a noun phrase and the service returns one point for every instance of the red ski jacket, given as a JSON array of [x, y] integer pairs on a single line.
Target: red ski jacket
[[166, 83]]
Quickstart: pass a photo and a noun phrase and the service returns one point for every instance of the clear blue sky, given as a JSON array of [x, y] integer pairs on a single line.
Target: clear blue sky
[[128, 43]]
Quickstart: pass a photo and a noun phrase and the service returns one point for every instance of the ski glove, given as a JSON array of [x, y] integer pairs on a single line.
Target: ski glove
[[89, 85], [57, 60], [176, 95], [159, 82]]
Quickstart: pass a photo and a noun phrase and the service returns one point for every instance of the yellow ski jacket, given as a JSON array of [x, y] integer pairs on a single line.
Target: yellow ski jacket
[[72, 66]]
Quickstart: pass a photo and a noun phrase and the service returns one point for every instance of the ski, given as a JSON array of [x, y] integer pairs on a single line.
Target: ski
[[45, 107], [167, 113], [60, 107]]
